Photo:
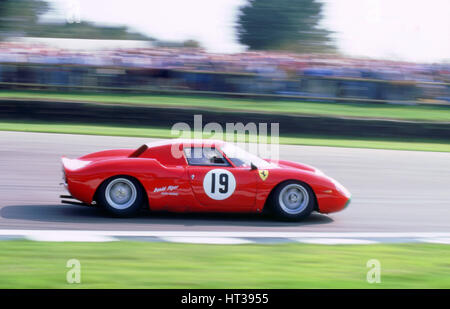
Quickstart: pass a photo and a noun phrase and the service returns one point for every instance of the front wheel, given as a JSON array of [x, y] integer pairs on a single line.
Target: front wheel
[[292, 201], [121, 196]]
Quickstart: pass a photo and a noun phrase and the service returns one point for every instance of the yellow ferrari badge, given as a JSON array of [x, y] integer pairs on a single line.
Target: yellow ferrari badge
[[263, 174]]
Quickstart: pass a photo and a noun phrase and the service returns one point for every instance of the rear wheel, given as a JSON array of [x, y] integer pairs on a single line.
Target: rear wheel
[[121, 196], [292, 201]]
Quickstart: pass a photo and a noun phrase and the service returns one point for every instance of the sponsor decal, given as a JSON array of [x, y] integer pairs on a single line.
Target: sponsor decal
[[167, 190], [263, 174]]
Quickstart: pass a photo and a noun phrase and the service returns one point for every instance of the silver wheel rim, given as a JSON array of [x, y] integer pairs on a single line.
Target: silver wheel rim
[[120, 193], [293, 199]]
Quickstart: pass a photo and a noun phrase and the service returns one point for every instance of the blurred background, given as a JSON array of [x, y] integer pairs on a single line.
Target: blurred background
[[344, 52], [340, 73]]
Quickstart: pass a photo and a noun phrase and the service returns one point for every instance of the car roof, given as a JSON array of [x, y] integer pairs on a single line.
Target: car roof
[[193, 142]]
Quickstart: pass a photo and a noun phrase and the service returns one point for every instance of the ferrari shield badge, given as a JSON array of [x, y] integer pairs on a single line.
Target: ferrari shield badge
[[263, 174]]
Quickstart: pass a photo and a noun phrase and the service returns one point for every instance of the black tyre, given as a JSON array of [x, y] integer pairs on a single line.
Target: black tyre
[[292, 201], [121, 196]]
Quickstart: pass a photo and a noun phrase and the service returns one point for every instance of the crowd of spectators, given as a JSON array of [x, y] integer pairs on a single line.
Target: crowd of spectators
[[269, 72]]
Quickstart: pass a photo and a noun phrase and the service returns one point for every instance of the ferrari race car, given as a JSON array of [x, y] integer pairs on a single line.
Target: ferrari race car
[[199, 176]]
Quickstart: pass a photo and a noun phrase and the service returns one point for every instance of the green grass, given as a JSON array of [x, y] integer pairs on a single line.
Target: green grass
[[387, 111], [154, 132], [25, 264]]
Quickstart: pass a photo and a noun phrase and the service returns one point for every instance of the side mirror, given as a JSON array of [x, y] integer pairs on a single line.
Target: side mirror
[[253, 167]]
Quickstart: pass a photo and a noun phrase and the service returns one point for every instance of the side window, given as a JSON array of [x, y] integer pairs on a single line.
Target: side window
[[204, 156]]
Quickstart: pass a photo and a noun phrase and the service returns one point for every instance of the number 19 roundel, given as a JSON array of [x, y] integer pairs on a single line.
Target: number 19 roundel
[[219, 184]]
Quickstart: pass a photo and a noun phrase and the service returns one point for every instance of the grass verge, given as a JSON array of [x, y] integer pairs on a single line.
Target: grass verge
[[26, 264], [155, 132], [360, 110]]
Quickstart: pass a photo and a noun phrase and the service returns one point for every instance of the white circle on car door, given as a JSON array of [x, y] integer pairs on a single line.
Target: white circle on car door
[[219, 184]]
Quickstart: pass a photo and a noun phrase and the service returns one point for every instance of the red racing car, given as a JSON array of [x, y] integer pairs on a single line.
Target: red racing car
[[199, 176]]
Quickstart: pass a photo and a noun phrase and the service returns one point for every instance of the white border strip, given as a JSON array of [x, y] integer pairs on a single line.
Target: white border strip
[[208, 240], [335, 241], [82, 233], [70, 237]]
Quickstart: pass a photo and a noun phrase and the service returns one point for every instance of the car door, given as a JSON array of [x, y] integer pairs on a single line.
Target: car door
[[219, 185]]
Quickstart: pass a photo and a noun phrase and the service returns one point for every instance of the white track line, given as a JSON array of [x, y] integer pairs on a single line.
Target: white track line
[[231, 234], [208, 240], [65, 237], [335, 241], [442, 240]]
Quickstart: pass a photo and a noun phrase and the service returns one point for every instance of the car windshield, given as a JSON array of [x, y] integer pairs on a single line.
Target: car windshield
[[240, 157]]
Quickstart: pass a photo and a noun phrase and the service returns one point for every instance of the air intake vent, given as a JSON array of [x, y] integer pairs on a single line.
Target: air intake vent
[[138, 151]]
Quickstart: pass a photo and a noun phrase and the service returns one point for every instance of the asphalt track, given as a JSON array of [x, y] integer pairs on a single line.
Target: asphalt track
[[393, 191]]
